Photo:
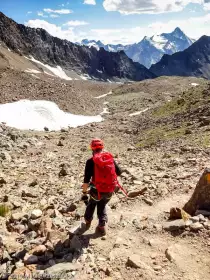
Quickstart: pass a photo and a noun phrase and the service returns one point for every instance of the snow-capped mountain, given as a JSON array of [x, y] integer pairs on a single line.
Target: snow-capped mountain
[[194, 61], [38, 45], [99, 44], [151, 49]]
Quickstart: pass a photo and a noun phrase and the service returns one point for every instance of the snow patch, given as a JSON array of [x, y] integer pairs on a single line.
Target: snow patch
[[158, 41], [104, 95], [57, 71], [49, 74], [93, 44], [32, 71], [35, 76], [85, 77], [9, 50], [194, 84], [139, 112], [105, 111], [36, 115]]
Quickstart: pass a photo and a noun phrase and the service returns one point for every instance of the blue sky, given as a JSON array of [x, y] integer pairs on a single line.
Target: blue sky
[[112, 21]]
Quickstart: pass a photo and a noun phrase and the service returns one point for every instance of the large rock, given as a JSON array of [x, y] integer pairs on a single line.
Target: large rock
[[11, 245], [62, 268], [196, 227], [34, 225], [174, 225], [39, 250], [174, 253], [75, 243], [18, 216], [30, 259], [201, 196], [76, 228], [35, 214], [136, 262]]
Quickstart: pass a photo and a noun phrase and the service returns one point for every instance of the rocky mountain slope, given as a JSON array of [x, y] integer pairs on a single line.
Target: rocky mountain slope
[[56, 52], [194, 61], [151, 49], [162, 150]]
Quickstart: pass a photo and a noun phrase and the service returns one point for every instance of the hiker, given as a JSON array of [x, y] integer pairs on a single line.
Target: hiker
[[101, 173]]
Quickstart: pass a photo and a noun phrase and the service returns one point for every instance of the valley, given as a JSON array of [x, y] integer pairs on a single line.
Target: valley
[[55, 97], [164, 149]]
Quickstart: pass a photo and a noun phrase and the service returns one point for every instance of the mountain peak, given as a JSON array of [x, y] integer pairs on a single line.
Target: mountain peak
[[178, 31]]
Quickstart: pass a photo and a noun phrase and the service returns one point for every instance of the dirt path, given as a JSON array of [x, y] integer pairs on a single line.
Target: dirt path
[[125, 238]]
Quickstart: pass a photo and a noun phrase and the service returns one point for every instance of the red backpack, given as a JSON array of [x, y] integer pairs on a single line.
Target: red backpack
[[105, 177]]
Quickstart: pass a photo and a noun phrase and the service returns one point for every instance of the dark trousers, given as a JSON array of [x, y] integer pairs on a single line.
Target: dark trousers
[[101, 208]]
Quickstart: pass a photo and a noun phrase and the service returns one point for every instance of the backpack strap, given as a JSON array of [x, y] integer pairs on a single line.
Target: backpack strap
[[122, 189]]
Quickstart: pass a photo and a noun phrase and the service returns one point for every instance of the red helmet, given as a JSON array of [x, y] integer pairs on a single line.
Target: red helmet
[[96, 144]]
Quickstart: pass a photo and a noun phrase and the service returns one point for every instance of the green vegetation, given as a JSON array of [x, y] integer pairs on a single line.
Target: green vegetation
[[170, 108], [201, 140], [4, 210], [161, 133], [190, 99]]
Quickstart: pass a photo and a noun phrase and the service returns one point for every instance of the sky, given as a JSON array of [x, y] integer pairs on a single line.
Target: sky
[[111, 21]]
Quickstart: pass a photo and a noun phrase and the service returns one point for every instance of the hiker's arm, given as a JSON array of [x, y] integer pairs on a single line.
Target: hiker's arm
[[88, 174], [118, 169]]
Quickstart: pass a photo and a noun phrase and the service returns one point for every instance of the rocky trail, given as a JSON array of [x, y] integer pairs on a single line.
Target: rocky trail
[[40, 183]]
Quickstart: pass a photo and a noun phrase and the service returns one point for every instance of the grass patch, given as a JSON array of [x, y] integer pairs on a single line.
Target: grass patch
[[202, 140], [159, 134], [170, 108], [4, 210], [190, 99]]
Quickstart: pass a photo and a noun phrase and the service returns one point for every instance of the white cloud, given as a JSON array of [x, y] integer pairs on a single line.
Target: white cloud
[[194, 27], [149, 6], [76, 23], [90, 2], [207, 6], [53, 29], [54, 16], [41, 14], [61, 11], [29, 12]]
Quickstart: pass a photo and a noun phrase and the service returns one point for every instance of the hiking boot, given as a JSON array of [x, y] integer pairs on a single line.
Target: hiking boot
[[101, 230]]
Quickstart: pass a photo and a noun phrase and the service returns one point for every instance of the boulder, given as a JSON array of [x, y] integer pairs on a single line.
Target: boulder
[[135, 193], [38, 250], [35, 214], [174, 225], [196, 227], [75, 243], [62, 268], [18, 216], [30, 259], [135, 261], [201, 196]]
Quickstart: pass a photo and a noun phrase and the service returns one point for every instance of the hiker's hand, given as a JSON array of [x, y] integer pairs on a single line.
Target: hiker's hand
[[85, 187]]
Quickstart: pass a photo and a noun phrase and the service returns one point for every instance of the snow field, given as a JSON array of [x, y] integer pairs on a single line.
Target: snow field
[[36, 115]]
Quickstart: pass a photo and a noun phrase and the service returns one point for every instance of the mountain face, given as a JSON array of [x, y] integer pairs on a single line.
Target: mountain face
[[56, 52], [99, 44], [151, 49], [194, 61]]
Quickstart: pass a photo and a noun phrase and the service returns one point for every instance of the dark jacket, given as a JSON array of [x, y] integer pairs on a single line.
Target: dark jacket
[[89, 170]]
